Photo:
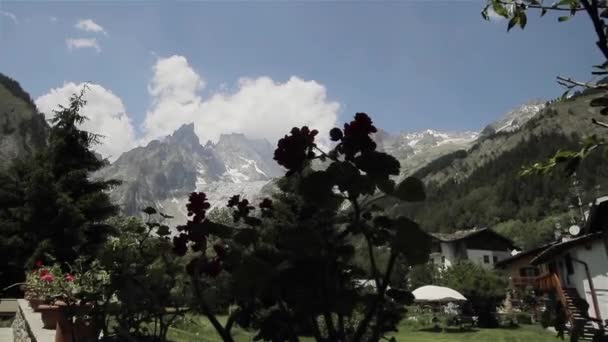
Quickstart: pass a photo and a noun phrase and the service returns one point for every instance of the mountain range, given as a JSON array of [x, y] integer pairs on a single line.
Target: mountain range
[[163, 173], [471, 176]]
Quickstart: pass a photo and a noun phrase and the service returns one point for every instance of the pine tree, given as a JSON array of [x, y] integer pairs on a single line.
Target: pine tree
[[49, 202]]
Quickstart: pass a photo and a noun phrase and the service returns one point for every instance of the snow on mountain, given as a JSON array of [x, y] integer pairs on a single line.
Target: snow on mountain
[[416, 149], [163, 173], [515, 119]]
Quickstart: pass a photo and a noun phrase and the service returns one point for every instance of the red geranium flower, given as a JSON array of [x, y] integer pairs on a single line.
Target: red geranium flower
[[43, 272], [70, 277], [48, 278], [39, 263]]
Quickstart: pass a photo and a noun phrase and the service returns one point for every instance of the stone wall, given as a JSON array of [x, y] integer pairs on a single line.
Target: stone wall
[[21, 332], [27, 326]]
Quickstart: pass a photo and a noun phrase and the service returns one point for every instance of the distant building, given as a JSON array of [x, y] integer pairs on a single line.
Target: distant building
[[578, 265], [573, 267], [482, 246], [519, 270]]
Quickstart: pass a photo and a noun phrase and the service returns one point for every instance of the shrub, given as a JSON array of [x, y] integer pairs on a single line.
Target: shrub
[[291, 259]]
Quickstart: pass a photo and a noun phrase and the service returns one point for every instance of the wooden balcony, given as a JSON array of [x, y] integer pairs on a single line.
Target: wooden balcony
[[524, 281]]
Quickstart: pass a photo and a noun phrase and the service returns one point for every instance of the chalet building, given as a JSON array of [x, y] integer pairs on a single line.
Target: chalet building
[[578, 268], [520, 271], [482, 246], [571, 269]]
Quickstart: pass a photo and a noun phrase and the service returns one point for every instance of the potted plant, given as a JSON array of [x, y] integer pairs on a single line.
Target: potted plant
[[45, 288], [77, 294], [39, 285]]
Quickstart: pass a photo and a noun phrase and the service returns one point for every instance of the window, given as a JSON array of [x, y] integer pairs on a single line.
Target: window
[[528, 272], [494, 259], [486, 259]]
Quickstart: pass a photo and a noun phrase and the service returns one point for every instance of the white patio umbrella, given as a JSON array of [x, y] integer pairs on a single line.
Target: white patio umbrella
[[437, 294]]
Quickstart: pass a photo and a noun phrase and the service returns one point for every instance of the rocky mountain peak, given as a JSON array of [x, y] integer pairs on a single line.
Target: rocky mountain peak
[[515, 118], [184, 135]]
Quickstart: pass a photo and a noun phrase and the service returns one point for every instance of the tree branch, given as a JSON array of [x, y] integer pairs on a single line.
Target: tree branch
[[570, 83], [598, 25], [600, 123], [379, 298], [548, 8], [224, 334]]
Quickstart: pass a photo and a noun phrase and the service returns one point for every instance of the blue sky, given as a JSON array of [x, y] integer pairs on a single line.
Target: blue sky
[[411, 64]]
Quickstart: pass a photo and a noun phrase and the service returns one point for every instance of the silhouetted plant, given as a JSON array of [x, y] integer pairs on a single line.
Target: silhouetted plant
[[290, 259]]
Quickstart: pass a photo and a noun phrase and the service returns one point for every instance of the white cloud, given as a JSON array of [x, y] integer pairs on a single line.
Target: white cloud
[[89, 25], [9, 15], [82, 43], [106, 116], [259, 107], [53, 19]]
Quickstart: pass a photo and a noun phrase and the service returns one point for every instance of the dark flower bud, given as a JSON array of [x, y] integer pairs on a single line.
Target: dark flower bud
[[335, 134]]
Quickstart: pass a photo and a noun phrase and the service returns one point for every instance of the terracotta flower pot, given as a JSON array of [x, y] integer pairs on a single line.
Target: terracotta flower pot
[[80, 331], [50, 315], [35, 303]]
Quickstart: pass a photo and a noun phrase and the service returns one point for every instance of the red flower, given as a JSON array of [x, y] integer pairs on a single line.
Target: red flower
[[70, 277], [47, 278], [293, 150], [266, 203], [39, 263], [43, 272], [357, 136]]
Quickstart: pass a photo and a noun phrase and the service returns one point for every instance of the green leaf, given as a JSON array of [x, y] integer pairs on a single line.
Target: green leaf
[[377, 165], [252, 221], [411, 241], [523, 19], [401, 296], [410, 190], [149, 211], [484, 13], [253, 276], [512, 23], [346, 251], [563, 155], [599, 102], [245, 236], [165, 216], [163, 230], [564, 18], [500, 9], [217, 229], [386, 185]]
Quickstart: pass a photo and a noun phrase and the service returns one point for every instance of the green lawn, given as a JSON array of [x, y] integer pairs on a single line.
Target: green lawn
[[200, 330]]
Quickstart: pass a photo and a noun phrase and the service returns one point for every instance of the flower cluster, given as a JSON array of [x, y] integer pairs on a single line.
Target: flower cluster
[[193, 231], [46, 282], [295, 149], [266, 207], [242, 207], [356, 136]]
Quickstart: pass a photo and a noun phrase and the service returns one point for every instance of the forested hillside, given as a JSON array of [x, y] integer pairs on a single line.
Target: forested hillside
[[483, 186], [22, 128]]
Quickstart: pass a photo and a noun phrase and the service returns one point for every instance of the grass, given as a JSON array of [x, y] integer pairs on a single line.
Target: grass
[[197, 328]]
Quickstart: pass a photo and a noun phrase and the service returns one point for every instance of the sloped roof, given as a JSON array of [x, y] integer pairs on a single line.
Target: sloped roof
[[457, 235], [523, 254], [469, 233], [561, 247]]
